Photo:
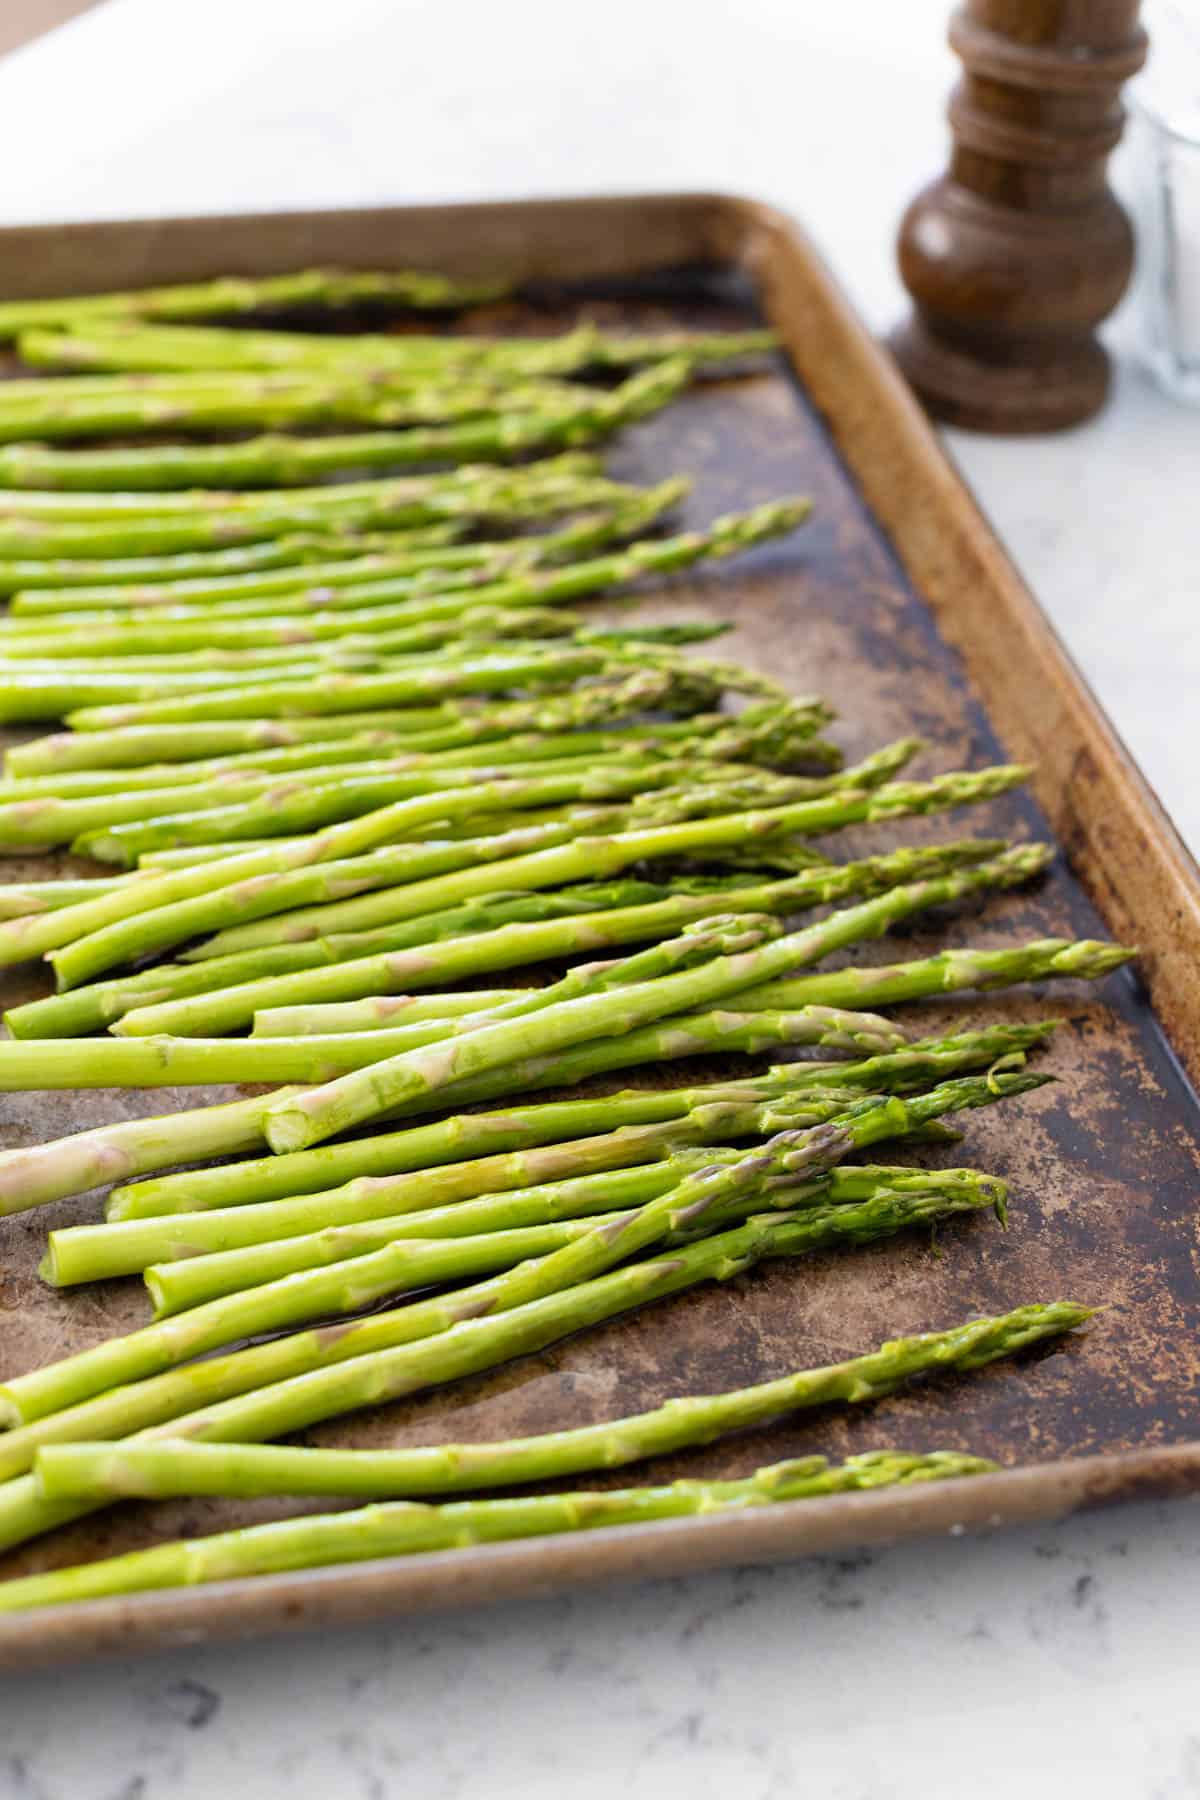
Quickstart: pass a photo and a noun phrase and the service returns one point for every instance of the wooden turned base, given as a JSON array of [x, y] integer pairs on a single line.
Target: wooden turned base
[[1011, 397], [1019, 251]]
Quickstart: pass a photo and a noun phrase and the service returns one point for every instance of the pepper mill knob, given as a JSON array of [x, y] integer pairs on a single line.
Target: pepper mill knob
[[1019, 251]]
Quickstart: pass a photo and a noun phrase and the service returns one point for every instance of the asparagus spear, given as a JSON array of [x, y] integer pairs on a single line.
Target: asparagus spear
[[890, 984], [87, 1009], [107, 340], [764, 734], [46, 586], [407, 1528], [702, 1200], [139, 525], [19, 899], [448, 725], [446, 424], [259, 806], [369, 636], [599, 857], [566, 483], [302, 565], [56, 1063], [434, 964], [532, 416], [22, 939], [461, 1248], [100, 1473], [535, 587], [28, 698], [42, 1172], [90, 948], [240, 1246], [282, 1385], [295, 1123], [324, 795], [30, 1176], [240, 296]]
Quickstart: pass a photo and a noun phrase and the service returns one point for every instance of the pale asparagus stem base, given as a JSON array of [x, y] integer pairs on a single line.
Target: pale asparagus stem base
[[102, 1472], [408, 1528], [524, 1126], [702, 1201], [273, 1388]]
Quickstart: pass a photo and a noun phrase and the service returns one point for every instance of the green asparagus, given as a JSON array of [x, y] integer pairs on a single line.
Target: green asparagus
[[158, 1470], [408, 1528]]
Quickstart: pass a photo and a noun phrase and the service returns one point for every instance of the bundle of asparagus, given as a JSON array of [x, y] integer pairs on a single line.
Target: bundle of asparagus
[[349, 750]]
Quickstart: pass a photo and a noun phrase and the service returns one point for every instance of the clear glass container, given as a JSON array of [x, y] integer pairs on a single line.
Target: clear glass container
[[1165, 166]]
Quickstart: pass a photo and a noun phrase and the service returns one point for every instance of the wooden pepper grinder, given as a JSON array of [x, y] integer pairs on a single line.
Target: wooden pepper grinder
[[1016, 255]]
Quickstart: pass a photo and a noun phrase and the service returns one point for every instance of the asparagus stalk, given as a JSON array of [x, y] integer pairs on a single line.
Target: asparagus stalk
[[363, 605], [301, 565], [19, 899], [57, 1063], [40, 1173], [323, 795], [159, 1470], [90, 948], [764, 735], [295, 1123], [446, 726], [559, 484], [475, 1237], [240, 1246], [890, 984], [27, 698], [240, 296], [22, 939], [87, 1009], [701, 1200], [87, 1159], [439, 963], [47, 586], [270, 1389], [111, 525], [408, 1528], [107, 342], [447, 424], [751, 1030], [600, 857], [104, 406], [263, 805], [511, 796]]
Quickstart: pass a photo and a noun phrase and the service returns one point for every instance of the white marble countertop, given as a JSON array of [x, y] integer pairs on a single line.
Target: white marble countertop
[[940, 1669]]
